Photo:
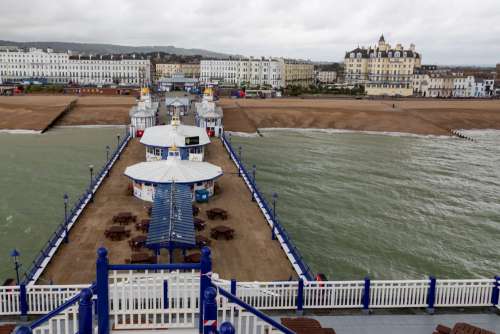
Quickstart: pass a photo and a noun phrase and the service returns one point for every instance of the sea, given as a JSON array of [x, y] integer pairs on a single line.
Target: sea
[[356, 204], [36, 170], [384, 205]]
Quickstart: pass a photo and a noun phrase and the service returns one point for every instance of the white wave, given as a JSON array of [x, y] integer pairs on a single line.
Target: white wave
[[242, 134], [340, 131], [95, 126], [21, 131]]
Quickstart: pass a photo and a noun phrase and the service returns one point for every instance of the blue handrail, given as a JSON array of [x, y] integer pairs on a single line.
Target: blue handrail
[[70, 302], [232, 298]]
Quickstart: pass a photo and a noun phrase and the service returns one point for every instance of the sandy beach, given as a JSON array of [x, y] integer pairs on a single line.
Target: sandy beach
[[418, 116]]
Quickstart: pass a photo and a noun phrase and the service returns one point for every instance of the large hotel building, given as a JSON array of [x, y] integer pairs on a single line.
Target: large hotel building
[[63, 68], [382, 70]]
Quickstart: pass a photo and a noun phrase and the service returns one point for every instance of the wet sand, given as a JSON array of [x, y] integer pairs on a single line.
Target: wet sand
[[419, 116], [32, 112], [251, 255]]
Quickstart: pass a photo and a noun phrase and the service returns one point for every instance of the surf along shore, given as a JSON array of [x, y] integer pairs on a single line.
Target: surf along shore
[[416, 116]]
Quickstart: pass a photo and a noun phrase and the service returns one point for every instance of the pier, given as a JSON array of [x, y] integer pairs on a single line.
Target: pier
[[254, 255]]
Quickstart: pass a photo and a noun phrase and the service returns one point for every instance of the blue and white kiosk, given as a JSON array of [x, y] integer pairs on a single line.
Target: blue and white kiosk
[[147, 176], [209, 117], [143, 115], [190, 140]]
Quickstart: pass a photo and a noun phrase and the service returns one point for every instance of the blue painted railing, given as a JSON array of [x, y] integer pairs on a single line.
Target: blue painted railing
[[306, 272], [47, 251], [85, 326]]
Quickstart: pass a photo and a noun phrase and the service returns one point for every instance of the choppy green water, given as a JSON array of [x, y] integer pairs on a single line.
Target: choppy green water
[[392, 207], [35, 172]]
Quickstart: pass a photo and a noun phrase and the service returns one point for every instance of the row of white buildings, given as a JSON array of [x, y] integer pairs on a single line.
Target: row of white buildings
[[452, 85], [271, 72], [63, 68]]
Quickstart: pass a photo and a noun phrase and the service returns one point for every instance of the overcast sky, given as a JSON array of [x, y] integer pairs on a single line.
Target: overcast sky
[[444, 31]]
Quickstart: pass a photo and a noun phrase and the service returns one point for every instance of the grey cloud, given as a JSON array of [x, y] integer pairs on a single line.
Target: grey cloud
[[445, 32]]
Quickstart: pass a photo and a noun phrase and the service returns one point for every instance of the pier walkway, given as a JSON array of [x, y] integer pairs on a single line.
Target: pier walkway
[[251, 255]]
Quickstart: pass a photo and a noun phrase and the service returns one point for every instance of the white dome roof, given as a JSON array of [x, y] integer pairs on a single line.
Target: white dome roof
[[169, 135], [167, 171]]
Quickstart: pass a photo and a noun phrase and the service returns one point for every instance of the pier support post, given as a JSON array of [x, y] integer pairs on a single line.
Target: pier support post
[[495, 294], [210, 311], [205, 281], [85, 312], [300, 297], [23, 302], [431, 295], [102, 291], [366, 296]]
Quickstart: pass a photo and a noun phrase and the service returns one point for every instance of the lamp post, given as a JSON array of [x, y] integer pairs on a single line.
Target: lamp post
[[275, 197], [15, 257], [107, 153], [117, 141], [253, 180], [91, 170], [66, 199]]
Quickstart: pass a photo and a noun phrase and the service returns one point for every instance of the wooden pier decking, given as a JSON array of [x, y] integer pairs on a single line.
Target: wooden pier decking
[[251, 255]]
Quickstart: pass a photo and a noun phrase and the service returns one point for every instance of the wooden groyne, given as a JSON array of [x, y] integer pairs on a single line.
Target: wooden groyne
[[66, 110]]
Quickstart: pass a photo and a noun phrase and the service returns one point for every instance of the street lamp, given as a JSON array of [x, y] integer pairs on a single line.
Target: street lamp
[[117, 141], [91, 170], [66, 199], [275, 197], [15, 257], [107, 152]]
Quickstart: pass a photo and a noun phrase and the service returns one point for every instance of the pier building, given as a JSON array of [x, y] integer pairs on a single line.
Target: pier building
[[177, 104], [209, 117], [143, 115], [190, 140], [147, 176]]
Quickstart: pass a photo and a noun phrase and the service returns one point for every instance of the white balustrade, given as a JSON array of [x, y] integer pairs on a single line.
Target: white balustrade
[[153, 299], [9, 300], [242, 320], [64, 323], [471, 292], [333, 294], [397, 294], [268, 295], [44, 298]]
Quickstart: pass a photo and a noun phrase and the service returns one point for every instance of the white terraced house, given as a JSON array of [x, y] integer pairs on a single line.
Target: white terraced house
[[241, 72], [63, 67]]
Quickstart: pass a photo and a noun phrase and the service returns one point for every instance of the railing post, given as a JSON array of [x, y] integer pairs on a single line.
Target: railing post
[[233, 287], [300, 297], [205, 281], [226, 328], [85, 312], [102, 291], [210, 311], [23, 301], [495, 294], [431, 295], [366, 296], [23, 329]]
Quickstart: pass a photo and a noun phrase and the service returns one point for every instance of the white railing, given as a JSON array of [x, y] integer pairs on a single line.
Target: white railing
[[164, 299], [340, 294], [153, 299], [64, 323], [474, 292], [396, 294], [44, 298], [242, 320], [9, 300]]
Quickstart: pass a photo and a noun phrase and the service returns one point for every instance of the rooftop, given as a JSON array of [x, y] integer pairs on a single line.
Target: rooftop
[[170, 135]]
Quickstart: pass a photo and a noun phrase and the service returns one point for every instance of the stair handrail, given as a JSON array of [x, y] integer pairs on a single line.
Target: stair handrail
[[262, 316], [67, 304]]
